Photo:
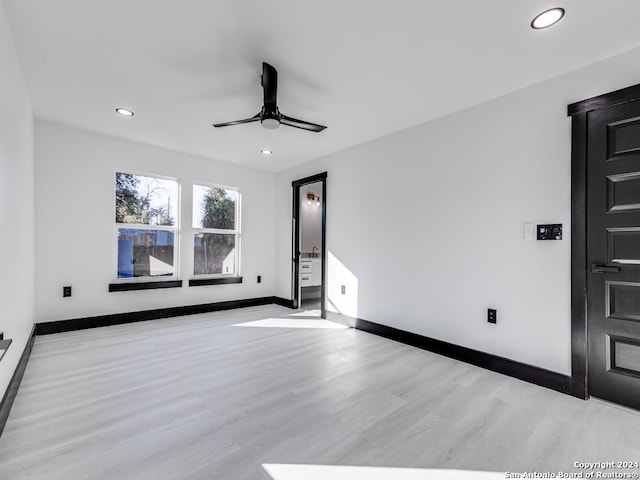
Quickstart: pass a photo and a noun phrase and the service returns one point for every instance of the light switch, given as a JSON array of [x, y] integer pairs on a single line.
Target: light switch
[[528, 231]]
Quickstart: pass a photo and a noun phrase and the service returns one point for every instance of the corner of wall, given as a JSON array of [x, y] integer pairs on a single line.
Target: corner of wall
[[16, 205]]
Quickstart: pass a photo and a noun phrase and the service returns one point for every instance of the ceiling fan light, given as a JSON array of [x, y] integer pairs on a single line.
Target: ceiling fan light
[[270, 123]]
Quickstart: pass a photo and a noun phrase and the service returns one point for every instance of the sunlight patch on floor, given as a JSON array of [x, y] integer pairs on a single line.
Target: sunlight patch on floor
[[293, 323], [332, 472], [306, 313]]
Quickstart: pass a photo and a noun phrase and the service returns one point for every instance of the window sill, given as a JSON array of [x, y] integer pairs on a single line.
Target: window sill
[[125, 287], [197, 282], [4, 344]]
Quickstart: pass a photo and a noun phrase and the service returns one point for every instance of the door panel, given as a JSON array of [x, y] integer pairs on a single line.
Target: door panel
[[623, 301], [625, 356], [613, 247], [623, 192], [622, 245], [623, 137]]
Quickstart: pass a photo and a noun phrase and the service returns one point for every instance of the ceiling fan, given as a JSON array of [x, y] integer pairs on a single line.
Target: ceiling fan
[[270, 116]]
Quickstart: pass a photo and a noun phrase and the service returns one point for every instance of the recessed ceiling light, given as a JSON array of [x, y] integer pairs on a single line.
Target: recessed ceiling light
[[264, 151], [124, 112], [547, 18]]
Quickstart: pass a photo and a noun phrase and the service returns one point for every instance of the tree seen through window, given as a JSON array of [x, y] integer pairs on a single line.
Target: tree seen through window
[[216, 242]]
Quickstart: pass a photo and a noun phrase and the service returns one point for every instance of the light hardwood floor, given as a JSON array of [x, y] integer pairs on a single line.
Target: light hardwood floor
[[201, 398]]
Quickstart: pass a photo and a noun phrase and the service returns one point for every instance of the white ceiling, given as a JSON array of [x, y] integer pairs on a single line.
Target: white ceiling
[[364, 68]]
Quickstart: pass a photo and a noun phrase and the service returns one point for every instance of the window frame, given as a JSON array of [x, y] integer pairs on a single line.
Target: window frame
[[175, 229], [201, 278]]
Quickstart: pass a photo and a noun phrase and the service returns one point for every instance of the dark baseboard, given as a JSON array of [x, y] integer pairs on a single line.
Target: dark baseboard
[[521, 371], [59, 326], [283, 302], [12, 389], [345, 320]]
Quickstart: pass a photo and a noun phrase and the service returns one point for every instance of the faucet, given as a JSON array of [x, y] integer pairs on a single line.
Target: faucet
[[313, 252]]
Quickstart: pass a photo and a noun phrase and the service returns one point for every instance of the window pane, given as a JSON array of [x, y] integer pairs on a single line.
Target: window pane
[[214, 207], [145, 253], [214, 253], [145, 200]]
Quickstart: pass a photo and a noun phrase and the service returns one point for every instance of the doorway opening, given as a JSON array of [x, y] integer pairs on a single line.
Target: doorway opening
[[309, 221]]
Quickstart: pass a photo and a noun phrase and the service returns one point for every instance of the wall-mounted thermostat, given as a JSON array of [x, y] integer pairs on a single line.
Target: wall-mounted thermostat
[[550, 232]]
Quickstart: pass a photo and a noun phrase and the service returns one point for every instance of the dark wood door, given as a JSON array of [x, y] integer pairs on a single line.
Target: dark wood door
[[613, 253]]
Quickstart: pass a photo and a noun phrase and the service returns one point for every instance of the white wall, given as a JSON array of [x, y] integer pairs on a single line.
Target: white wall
[[425, 226], [310, 219], [16, 205], [75, 223]]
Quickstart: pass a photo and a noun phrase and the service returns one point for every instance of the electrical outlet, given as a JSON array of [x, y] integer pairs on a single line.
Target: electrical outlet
[[492, 315], [259, 280], [66, 291]]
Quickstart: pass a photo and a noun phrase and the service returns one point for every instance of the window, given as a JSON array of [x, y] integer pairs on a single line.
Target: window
[[216, 241], [146, 226]]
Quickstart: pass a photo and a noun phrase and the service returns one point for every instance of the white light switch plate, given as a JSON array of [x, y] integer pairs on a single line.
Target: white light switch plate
[[528, 231]]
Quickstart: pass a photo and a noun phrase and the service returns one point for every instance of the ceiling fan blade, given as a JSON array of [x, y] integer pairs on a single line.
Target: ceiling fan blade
[[294, 122], [255, 118], [269, 86]]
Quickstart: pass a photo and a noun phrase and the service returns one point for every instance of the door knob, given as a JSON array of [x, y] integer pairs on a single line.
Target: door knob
[[597, 268]]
